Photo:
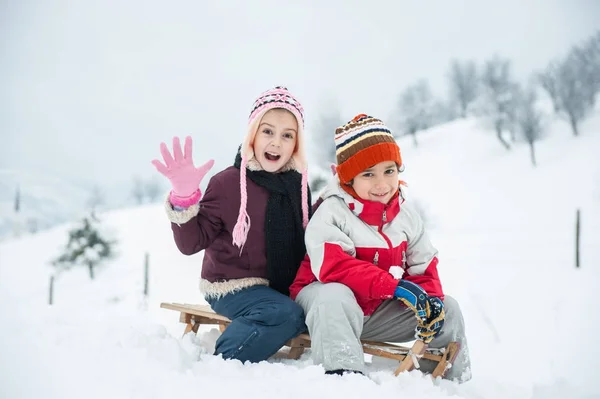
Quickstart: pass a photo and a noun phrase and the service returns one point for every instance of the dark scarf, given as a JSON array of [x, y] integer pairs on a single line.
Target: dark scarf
[[284, 234]]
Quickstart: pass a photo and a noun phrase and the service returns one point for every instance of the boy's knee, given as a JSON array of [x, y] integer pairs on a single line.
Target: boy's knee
[[337, 309], [454, 323], [451, 307], [329, 300], [331, 292]]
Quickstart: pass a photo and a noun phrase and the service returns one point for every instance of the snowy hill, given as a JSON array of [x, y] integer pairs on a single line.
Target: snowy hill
[[505, 231], [45, 200]]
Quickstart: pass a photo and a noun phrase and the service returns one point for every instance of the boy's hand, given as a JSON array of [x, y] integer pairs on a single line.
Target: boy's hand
[[414, 297], [429, 329]]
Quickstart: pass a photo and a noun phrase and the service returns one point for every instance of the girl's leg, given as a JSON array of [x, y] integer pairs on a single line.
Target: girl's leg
[[335, 323], [393, 322], [262, 321]]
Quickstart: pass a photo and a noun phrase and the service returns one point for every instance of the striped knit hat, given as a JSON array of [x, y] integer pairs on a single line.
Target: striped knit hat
[[278, 97], [361, 143]]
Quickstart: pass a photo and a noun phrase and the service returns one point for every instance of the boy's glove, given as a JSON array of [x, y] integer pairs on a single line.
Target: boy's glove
[[431, 327], [181, 172], [414, 297]]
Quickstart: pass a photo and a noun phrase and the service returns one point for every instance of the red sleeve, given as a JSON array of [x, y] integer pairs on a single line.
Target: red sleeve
[[365, 279], [429, 281]]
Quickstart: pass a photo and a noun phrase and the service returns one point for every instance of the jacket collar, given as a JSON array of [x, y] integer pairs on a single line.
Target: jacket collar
[[371, 212], [375, 213]]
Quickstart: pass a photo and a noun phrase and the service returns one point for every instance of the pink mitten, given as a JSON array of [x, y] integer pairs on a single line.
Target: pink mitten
[[181, 172]]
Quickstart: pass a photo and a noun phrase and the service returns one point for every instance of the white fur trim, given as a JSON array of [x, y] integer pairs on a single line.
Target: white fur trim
[[253, 165], [219, 289], [298, 160], [183, 216]]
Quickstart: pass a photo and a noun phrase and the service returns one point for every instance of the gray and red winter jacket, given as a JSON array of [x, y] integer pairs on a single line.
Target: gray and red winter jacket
[[356, 242]]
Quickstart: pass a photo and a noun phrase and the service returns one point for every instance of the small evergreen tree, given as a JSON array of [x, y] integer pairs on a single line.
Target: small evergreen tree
[[86, 247]]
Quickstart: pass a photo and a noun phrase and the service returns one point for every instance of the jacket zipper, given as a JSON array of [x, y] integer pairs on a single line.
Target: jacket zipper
[[380, 230]]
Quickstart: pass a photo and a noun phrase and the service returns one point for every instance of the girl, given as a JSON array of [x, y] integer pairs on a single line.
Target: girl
[[250, 257], [361, 229]]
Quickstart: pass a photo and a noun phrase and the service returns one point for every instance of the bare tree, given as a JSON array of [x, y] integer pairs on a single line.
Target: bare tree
[[587, 57], [511, 122], [324, 132], [499, 95], [529, 120], [415, 108], [574, 97], [574, 82], [549, 80], [137, 190], [464, 84], [593, 49]]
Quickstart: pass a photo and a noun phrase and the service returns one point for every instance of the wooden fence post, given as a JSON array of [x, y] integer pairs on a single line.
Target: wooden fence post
[[51, 290], [146, 267], [577, 236]]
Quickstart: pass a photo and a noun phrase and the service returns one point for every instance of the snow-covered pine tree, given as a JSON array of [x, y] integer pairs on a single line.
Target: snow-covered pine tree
[[86, 247]]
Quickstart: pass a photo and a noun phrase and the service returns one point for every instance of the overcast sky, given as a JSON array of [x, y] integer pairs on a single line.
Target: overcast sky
[[90, 88]]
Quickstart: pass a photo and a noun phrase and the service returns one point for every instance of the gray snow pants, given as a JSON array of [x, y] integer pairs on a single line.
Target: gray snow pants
[[337, 324]]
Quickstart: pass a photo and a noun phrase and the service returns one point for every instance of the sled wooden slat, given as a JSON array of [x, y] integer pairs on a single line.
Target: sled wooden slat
[[417, 351], [447, 359], [194, 315]]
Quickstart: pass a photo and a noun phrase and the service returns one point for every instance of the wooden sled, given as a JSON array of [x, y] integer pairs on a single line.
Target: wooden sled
[[195, 315]]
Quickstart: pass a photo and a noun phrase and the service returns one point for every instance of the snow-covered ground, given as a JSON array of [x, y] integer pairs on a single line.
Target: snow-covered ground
[[505, 231]]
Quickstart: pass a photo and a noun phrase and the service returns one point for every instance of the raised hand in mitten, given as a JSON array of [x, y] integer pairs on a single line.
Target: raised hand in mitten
[[429, 329], [414, 297], [179, 168]]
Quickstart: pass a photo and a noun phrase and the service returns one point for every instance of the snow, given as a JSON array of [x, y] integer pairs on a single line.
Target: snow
[[505, 232], [45, 200]]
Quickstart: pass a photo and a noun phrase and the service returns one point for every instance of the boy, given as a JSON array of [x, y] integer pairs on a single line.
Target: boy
[[362, 229]]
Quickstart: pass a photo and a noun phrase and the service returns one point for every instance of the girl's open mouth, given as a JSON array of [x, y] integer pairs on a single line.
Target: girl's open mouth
[[272, 157]]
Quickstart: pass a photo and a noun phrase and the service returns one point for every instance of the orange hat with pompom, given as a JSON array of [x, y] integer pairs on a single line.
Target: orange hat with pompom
[[362, 143]]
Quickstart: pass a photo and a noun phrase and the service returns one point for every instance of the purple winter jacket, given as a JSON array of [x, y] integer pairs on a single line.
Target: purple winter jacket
[[209, 225]]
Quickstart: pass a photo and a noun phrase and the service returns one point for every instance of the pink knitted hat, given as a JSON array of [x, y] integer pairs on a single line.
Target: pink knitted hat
[[278, 97]]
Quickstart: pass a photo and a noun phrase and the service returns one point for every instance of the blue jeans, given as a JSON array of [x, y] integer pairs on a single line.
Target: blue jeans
[[262, 321]]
